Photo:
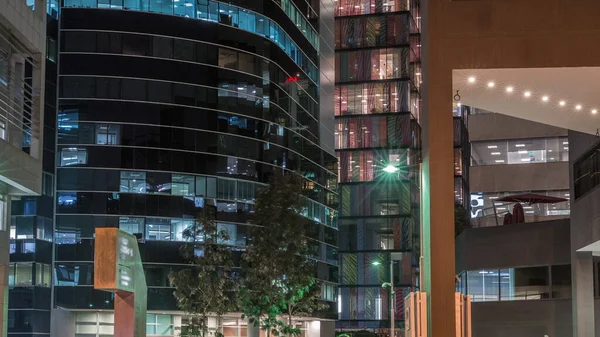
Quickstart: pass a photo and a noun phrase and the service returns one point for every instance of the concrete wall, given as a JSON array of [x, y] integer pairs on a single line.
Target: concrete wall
[[526, 244], [493, 126], [526, 177], [29, 26], [522, 319]]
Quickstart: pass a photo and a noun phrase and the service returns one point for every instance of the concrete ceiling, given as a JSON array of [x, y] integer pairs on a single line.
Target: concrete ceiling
[[574, 86]]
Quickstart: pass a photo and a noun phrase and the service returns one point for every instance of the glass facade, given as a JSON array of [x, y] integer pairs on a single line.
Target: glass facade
[[520, 151], [223, 14], [482, 205], [586, 172], [377, 141], [177, 119], [516, 284]]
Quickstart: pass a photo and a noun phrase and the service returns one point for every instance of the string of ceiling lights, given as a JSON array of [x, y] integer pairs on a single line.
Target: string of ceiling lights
[[527, 94]]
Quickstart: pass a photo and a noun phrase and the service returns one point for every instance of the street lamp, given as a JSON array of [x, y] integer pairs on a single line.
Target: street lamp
[[390, 169], [392, 294]]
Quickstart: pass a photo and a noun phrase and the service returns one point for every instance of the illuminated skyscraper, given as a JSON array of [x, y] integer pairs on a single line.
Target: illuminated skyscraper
[[377, 139]]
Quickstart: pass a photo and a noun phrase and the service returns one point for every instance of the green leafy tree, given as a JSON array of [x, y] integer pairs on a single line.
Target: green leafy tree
[[207, 287], [279, 275]]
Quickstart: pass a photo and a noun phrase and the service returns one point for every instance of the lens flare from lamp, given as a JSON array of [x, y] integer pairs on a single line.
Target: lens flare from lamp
[[376, 263], [390, 169]]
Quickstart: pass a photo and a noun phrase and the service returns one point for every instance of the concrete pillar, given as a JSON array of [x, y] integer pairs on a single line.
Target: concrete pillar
[[582, 269], [437, 185], [253, 331], [4, 262], [321, 329]]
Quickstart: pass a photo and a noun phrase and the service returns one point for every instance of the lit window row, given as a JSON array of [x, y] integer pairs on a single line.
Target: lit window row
[[516, 284], [373, 98], [372, 31], [483, 205], [520, 151], [369, 65], [360, 7], [214, 11], [374, 132]]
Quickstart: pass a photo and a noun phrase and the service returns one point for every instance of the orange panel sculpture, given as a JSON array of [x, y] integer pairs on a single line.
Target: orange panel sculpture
[[118, 269]]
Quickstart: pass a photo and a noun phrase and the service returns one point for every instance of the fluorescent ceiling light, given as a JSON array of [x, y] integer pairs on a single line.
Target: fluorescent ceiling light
[[496, 153], [523, 152], [519, 145], [499, 161], [525, 159], [492, 146]]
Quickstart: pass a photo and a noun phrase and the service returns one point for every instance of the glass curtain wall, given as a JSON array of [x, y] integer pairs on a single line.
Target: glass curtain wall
[[377, 141]]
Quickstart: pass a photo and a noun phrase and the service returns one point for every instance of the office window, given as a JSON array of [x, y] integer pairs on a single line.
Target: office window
[[182, 185], [44, 228], [160, 325], [133, 182], [158, 229], [74, 274], [131, 225], [21, 273], [178, 227], [72, 156], [246, 191], [42, 275], [529, 283], [483, 285], [108, 134], [226, 189], [228, 58], [520, 151], [47, 184], [561, 281], [51, 49]]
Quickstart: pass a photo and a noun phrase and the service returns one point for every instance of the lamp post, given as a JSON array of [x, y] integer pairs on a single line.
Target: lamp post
[[392, 295]]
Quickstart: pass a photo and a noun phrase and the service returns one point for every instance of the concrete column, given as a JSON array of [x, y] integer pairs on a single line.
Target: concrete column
[[321, 329], [437, 186], [4, 261], [253, 331], [582, 269]]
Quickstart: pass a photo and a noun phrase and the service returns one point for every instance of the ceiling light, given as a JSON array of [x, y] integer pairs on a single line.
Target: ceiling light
[[519, 145], [545, 98], [500, 161], [491, 84], [565, 143], [523, 152], [458, 105], [594, 111], [578, 107], [492, 146], [525, 159], [562, 103], [551, 158], [496, 153], [471, 79], [566, 148], [527, 93], [509, 89]]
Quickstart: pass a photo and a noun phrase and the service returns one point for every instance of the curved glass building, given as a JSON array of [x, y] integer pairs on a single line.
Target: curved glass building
[[169, 106]]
